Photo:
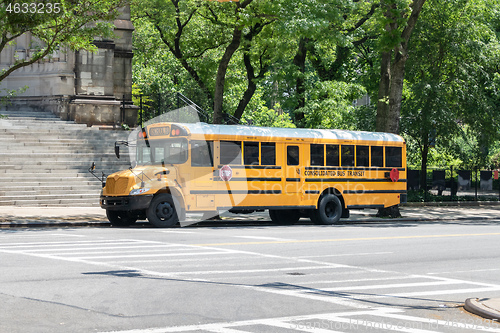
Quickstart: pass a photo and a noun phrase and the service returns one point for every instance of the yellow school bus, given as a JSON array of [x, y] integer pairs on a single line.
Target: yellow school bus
[[183, 168]]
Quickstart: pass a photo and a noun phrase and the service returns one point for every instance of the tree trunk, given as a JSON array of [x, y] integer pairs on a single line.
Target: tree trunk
[[392, 80], [220, 78], [383, 93], [251, 77], [251, 87], [300, 61]]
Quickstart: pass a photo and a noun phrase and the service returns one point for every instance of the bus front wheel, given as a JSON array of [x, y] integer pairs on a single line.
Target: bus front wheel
[[121, 219], [284, 217], [329, 210], [161, 213]]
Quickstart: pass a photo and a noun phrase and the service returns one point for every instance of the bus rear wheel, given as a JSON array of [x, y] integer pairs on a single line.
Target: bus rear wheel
[[284, 217], [121, 219], [329, 210], [161, 213]]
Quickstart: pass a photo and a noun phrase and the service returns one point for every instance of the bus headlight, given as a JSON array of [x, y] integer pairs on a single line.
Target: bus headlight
[[138, 191]]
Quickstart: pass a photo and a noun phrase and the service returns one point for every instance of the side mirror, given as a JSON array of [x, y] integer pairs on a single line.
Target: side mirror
[[92, 167], [117, 150]]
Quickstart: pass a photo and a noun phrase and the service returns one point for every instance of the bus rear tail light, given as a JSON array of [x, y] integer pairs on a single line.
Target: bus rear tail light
[[178, 131]]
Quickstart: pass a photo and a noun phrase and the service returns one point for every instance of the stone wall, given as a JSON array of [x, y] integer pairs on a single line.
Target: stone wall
[[91, 88]]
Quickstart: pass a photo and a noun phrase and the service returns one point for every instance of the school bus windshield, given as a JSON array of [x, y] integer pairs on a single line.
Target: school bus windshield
[[162, 151]]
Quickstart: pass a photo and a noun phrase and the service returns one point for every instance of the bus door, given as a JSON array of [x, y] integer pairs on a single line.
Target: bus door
[[293, 170], [202, 170]]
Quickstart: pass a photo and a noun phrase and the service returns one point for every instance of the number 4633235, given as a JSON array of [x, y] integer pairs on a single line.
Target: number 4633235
[[33, 8]]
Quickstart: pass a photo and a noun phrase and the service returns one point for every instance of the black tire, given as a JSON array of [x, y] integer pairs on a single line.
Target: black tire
[[284, 217], [121, 219], [161, 212], [329, 210]]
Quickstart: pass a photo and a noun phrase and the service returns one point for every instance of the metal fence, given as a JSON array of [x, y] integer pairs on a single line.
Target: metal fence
[[449, 184], [174, 107]]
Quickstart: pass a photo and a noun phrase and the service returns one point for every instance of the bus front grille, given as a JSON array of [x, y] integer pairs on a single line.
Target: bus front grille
[[118, 186]]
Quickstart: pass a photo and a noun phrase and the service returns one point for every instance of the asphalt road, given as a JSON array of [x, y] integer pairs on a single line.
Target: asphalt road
[[373, 277]]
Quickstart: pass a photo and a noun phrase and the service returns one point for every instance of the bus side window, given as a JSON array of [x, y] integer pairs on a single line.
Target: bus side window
[[332, 155], [317, 154], [292, 155], [347, 155], [251, 153], [230, 152], [393, 157], [201, 153], [362, 156], [377, 156], [268, 153]]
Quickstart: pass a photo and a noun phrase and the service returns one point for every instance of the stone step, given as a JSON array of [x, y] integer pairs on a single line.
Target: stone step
[[18, 197], [60, 202], [68, 175], [66, 150], [46, 190], [45, 160], [47, 185], [39, 126]]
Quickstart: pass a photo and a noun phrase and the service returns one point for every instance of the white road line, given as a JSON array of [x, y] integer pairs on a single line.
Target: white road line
[[68, 243], [440, 278], [90, 247], [438, 292], [132, 247], [373, 324], [149, 255], [345, 255], [252, 270], [361, 280], [291, 319], [266, 238], [467, 271], [225, 330], [394, 285], [442, 323], [168, 260]]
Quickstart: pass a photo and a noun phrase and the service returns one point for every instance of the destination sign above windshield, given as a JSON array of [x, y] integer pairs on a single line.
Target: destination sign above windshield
[[159, 131]]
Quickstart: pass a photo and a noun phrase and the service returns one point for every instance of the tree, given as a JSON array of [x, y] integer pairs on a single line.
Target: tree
[[400, 20], [204, 37], [452, 94], [66, 23]]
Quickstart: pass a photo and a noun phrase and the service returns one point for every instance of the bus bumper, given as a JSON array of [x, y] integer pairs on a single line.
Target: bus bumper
[[126, 203]]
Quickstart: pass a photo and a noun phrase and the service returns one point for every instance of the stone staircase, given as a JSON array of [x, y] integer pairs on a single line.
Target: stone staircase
[[44, 161]]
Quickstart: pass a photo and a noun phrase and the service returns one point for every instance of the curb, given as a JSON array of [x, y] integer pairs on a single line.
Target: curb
[[474, 305], [55, 222], [452, 203]]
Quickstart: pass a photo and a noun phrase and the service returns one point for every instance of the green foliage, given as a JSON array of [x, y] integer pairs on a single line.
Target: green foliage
[[452, 84], [6, 94], [494, 157], [451, 93], [331, 105], [268, 118]]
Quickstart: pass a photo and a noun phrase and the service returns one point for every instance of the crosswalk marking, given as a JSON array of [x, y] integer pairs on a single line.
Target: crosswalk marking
[[331, 322], [393, 285], [119, 254]]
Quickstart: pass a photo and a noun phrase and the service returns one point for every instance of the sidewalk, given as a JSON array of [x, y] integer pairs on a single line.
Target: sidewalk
[[12, 216], [18, 216]]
